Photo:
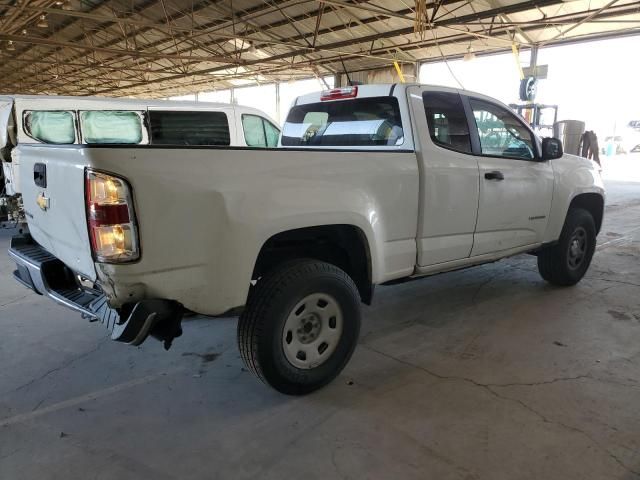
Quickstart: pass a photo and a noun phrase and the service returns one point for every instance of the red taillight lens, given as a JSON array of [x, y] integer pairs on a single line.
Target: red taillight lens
[[110, 218], [338, 93]]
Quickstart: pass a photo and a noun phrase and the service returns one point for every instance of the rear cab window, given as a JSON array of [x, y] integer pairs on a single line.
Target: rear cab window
[[189, 128], [50, 126], [112, 127], [447, 121], [369, 121]]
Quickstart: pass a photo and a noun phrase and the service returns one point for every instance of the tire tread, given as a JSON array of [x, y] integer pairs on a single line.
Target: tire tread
[[268, 288], [551, 263]]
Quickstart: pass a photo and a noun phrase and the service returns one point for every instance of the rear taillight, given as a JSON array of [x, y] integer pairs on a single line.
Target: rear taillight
[[110, 218], [338, 93]]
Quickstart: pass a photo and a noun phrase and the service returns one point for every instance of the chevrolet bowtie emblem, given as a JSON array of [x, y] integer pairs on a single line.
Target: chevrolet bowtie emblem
[[42, 201]]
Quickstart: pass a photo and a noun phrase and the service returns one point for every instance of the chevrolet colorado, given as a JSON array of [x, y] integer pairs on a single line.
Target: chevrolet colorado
[[371, 184]]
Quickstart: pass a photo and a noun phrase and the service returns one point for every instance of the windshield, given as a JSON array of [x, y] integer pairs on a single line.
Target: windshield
[[361, 122]]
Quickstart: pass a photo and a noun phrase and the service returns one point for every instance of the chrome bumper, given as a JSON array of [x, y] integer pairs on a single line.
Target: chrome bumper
[[45, 274]]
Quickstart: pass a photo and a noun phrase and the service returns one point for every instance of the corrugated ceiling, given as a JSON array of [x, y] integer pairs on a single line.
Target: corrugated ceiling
[[168, 47]]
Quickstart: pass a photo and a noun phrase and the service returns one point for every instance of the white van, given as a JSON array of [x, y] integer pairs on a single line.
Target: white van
[[57, 120]]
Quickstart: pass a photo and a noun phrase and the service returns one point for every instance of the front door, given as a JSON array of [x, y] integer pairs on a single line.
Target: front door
[[516, 187]]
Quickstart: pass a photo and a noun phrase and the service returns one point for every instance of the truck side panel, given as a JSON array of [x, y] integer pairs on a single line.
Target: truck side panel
[[573, 176], [204, 214]]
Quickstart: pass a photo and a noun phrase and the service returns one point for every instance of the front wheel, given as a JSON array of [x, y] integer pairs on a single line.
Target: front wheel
[[566, 262], [300, 326]]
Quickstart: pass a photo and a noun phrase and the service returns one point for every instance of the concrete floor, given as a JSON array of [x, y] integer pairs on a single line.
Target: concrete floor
[[487, 373]]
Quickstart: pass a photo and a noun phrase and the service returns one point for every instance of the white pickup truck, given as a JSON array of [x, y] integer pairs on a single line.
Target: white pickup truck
[[372, 184]]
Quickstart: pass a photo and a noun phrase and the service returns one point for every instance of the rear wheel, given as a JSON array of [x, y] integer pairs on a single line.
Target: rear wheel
[[566, 262], [300, 326]]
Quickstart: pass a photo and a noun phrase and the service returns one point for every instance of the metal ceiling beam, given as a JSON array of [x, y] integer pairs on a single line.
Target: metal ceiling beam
[[329, 52], [116, 51], [369, 8], [429, 43], [365, 39], [161, 27], [593, 15], [254, 13]]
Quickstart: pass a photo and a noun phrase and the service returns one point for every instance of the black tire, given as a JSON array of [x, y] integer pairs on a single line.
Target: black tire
[[270, 306], [528, 89], [562, 263]]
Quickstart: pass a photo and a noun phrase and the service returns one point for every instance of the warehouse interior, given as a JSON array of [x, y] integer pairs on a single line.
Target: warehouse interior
[[480, 373]]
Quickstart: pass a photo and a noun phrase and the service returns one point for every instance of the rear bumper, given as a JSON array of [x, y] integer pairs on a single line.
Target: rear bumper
[[42, 272]]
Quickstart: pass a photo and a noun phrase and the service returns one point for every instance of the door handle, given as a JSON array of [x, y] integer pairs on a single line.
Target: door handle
[[494, 175]]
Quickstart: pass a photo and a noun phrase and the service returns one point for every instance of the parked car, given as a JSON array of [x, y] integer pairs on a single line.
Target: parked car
[[372, 184], [628, 141], [634, 136]]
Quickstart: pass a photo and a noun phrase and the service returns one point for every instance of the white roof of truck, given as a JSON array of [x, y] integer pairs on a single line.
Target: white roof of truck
[[395, 89]]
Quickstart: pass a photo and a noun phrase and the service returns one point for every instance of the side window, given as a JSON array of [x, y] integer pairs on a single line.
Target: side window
[[272, 133], [501, 133], [50, 127], [189, 128], [111, 126], [259, 132], [447, 121], [254, 133]]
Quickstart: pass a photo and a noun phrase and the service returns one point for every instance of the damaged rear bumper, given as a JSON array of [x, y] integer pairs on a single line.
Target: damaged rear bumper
[[45, 274]]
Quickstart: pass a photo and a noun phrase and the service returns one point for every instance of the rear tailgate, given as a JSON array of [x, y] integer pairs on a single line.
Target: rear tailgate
[[55, 205]]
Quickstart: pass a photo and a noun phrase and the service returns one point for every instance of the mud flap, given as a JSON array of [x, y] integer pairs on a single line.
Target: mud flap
[[158, 318]]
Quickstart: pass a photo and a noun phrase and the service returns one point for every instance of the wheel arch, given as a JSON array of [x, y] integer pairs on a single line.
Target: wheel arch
[[343, 245], [591, 202]]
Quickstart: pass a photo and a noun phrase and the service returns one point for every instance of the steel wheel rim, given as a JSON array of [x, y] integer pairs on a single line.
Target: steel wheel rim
[[312, 331], [577, 250]]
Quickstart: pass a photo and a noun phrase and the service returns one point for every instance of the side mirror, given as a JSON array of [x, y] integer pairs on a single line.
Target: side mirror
[[551, 148]]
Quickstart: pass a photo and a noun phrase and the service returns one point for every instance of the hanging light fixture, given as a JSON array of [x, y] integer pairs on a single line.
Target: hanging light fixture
[[24, 31], [469, 55], [10, 45], [66, 5], [42, 22]]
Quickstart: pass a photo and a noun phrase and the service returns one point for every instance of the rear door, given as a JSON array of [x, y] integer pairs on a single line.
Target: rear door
[[448, 176], [516, 187]]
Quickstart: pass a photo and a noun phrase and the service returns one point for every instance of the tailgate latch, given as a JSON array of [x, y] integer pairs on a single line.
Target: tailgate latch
[[40, 175]]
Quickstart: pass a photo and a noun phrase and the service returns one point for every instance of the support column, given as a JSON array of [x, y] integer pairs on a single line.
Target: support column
[[278, 102], [533, 61]]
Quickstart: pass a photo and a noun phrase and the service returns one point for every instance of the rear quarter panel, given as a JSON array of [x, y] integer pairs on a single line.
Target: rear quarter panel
[[204, 214]]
